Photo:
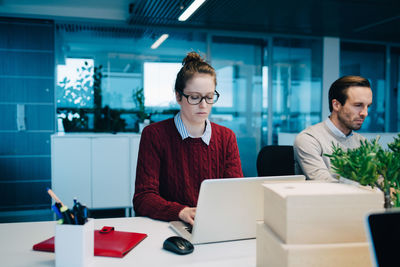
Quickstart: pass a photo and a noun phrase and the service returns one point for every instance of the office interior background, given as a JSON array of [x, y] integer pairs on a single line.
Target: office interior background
[[275, 61]]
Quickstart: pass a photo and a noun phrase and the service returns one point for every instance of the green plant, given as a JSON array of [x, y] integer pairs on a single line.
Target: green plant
[[74, 120], [138, 99], [370, 164], [97, 97]]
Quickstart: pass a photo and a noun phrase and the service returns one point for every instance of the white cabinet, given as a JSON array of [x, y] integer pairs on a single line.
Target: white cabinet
[[98, 169], [111, 172], [71, 171]]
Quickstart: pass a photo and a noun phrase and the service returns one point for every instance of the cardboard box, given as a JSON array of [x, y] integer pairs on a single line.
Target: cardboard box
[[318, 212], [272, 252]]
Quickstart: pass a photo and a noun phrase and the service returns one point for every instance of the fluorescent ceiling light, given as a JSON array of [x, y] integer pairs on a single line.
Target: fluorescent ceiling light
[[159, 41], [190, 10]]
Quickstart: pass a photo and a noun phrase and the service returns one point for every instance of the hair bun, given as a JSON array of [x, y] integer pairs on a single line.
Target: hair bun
[[192, 57]]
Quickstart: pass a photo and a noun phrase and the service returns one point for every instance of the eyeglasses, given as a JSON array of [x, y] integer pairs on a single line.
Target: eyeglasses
[[195, 99]]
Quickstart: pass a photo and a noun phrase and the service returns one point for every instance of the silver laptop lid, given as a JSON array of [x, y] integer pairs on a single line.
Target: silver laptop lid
[[227, 209]]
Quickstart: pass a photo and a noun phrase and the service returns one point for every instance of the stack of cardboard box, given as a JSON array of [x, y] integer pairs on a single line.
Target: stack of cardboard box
[[315, 224]]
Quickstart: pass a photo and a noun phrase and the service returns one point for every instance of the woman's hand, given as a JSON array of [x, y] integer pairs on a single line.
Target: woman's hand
[[187, 215]]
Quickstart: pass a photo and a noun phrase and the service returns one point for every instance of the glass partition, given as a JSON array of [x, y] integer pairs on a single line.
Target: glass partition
[[297, 84], [239, 76], [132, 82], [128, 71], [394, 98], [367, 60]]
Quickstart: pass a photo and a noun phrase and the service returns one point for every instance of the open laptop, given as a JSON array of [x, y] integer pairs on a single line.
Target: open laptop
[[383, 233], [227, 209]]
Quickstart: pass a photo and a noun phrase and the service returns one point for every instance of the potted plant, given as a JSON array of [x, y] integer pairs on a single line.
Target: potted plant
[[143, 117], [371, 165]]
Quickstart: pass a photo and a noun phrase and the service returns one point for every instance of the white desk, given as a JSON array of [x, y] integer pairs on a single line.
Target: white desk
[[17, 239]]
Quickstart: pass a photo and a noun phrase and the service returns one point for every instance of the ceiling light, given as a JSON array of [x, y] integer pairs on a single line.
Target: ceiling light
[[159, 41], [190, 10]]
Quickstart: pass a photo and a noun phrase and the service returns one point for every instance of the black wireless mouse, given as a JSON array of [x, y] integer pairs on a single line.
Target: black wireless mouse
[[178, 245]]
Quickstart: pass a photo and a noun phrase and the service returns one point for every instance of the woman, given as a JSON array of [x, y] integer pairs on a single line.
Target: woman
[[177, 154]]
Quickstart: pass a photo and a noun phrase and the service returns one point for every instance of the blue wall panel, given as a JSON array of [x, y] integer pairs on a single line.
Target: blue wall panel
[[25, 168], [24, 143], [28, 37], [40, 117], [26, 63], [8, 115], [26, 78], [37, 117], [28, 195], [27, 90]]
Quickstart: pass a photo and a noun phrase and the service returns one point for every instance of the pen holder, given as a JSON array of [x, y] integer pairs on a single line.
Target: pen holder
[[74, 244]]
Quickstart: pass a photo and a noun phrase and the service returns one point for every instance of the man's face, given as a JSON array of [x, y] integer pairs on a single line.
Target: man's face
[[352, 114]]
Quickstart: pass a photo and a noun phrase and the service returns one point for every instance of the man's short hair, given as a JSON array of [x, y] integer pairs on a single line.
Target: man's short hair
[[339, 88]]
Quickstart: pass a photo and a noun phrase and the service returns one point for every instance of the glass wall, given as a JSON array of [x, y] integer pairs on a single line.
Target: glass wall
[[238, 65], [296, 84], [394, 98], [116, 80], [128, 71], [367, 60]]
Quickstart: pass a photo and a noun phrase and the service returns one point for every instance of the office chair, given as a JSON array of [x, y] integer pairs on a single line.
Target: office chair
[[275, 161]]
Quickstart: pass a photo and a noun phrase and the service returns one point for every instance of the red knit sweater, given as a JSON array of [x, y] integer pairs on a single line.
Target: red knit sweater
[[170, 170]]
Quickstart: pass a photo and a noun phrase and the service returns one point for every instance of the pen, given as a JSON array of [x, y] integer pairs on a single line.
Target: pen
[[56, 211], [68, 219], [85, 213], [67, 216], [53, 196], [80, 212]]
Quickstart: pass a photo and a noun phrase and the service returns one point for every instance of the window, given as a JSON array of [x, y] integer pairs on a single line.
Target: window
[[159, 82], [75, 83], [128, 65]]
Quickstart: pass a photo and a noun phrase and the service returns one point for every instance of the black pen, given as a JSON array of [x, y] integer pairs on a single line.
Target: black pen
[[67, 216]]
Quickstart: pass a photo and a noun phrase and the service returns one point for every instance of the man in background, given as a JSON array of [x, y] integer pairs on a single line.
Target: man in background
[[349, 99]]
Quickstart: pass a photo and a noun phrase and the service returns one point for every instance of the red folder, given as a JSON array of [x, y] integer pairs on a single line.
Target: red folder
[[107, 242]]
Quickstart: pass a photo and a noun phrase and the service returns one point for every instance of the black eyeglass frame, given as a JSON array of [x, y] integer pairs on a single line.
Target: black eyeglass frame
[[201, 99]]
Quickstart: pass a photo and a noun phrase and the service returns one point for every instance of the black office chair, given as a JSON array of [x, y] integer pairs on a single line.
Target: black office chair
[[275, 161]]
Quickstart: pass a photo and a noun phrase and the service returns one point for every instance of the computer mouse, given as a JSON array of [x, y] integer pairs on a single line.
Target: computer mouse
[[178, 245]]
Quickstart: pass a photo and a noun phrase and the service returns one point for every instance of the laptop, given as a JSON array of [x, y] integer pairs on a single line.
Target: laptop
[[227, 209], [383, 233]]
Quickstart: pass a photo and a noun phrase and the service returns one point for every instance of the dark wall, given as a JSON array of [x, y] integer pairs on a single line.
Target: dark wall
[[27, 80]]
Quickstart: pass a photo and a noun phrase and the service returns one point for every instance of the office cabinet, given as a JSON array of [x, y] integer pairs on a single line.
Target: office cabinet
[[71, 169], [98, 169], [110, 172]]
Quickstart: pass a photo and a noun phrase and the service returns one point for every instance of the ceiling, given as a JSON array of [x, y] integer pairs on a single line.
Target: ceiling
[[377, 20]]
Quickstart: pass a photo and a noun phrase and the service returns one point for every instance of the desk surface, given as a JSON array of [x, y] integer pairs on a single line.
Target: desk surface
[[17, 239]]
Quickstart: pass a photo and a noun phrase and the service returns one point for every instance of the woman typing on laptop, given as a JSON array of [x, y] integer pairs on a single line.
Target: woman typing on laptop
[[177, 154]]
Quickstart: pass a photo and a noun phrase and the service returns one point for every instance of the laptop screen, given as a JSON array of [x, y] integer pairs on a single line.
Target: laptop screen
[[385, 235]]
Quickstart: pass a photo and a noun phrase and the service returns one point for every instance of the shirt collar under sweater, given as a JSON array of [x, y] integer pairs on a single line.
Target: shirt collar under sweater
[[206, 137], [335, 130]]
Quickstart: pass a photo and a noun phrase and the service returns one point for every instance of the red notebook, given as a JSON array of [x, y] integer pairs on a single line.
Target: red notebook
[[107, 242]]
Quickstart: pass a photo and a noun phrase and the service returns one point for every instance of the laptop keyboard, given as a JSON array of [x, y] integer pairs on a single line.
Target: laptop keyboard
[[188, 228]]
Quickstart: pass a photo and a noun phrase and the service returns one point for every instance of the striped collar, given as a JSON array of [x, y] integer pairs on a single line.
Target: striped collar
[[335, 130], [206, 137]]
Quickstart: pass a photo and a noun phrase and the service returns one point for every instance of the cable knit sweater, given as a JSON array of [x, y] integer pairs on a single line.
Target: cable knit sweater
[[170, 170]]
